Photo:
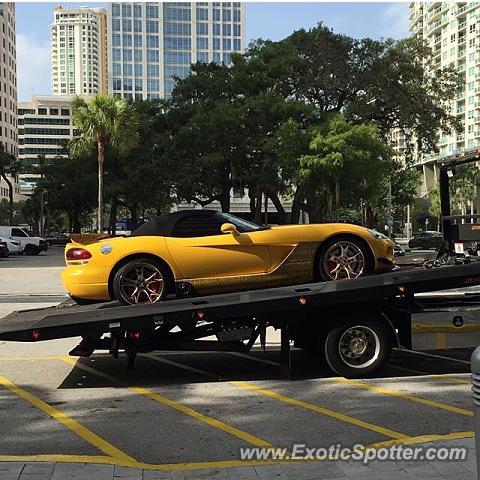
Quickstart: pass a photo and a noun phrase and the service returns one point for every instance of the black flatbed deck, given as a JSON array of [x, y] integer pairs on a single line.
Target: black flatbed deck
[[75, 320]]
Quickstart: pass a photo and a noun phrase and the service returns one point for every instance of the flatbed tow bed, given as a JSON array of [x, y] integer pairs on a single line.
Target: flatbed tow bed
[[353, 324]]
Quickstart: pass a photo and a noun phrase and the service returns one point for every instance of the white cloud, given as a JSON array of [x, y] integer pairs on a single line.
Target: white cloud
[[394, 21], [33, 67]]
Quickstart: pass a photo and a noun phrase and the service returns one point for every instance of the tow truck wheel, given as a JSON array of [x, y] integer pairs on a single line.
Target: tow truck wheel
[[32, 250], [358, 349], [141, 280]]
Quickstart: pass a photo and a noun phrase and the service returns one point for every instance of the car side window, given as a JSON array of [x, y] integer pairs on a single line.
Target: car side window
[[17, 232], [197, 226]]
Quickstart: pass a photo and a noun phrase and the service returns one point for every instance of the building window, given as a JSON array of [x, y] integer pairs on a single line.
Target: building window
[[153, 56], [177, 43], [237, 45], [151, 11], [227, 30], [227, 58], [127, 25], [153, 70], [137, 40], [227, 44], [116, 69], [138, 69], [216, 29], [137, 10], [42, 111], [152, 26], [216, 15], [127, 55], [116, 54], [115, 10], [182, 29], [126, 10], [115, 24], [152, 41], [236, 15], [202, 14], [216, 44], [127, 40], [153, 85], [117, 84], [226, 15], [216, 57], [137, 26], [202, 43], [202, 57], [237, 31], [137, 55], [116, 40], [202, 28]]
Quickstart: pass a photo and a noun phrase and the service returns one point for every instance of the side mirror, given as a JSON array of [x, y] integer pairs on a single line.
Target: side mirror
[[229, 228]]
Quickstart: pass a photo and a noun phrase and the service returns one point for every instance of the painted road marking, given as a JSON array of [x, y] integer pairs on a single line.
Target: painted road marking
[[317, 409], [213, 422], [70, 423], [432, 355], [445, 376], [181, 365], [403, 395]]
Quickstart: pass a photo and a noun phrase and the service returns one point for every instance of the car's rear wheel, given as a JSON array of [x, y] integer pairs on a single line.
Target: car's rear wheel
[[343, 258], [141, 280]]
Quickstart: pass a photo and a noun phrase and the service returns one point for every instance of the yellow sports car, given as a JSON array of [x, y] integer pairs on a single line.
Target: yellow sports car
[[206, 252]]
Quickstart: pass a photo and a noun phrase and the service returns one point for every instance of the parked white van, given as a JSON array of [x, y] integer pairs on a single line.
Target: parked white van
[[29, 245]]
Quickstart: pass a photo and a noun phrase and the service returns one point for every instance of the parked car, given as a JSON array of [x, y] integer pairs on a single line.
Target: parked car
[[12, 245], [4, 252], [428, 239], [398, 250], [58, 239], [30, 245], [204, 252]]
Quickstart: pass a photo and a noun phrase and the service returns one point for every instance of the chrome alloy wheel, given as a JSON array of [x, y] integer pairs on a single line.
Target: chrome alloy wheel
[[142, 283], [359, 346], [344, 260]]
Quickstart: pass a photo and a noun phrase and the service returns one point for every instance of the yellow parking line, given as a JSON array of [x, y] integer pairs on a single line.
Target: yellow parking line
[[80, 430], [444, 376], [324, 411], [213, 422], [403, 395], [423, 439]]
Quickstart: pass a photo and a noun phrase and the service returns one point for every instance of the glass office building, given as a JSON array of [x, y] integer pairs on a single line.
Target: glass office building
[[151, 43]]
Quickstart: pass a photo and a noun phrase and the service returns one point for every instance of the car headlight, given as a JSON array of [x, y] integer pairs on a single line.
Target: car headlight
[[377, 235]]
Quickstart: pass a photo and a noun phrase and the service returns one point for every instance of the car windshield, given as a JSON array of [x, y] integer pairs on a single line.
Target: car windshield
[[25, 232], [241, 224]]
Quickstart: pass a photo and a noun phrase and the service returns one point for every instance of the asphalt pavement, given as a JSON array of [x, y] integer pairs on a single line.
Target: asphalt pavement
[[187, 415]]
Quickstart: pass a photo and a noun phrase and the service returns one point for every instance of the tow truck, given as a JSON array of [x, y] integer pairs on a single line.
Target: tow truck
[[353, 325]]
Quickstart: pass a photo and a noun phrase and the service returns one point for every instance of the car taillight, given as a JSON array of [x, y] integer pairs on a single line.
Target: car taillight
[[78, 254]]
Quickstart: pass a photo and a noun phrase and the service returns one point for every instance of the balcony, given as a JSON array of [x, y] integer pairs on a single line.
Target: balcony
[[462, 25]]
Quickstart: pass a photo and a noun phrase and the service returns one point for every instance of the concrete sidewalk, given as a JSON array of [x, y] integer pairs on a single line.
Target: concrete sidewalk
[[339, 470]]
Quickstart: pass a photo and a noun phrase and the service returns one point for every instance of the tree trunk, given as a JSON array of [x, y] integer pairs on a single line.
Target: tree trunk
[[76, 223], [368, 218], [113, 217], [282, 215], [10, 198], [101, 161], [225, 200], [298, 199], [133, 216]]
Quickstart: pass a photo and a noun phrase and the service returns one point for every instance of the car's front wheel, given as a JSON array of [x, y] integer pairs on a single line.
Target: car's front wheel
[[140, 280], [342, 258]]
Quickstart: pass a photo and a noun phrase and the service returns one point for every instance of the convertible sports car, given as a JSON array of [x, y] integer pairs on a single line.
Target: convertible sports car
[[206, 252]]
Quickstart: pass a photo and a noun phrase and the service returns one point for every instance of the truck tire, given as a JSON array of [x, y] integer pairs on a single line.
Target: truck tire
[[32, 250], [358, 348]]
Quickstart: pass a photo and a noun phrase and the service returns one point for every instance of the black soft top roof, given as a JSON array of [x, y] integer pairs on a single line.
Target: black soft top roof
[[163, 225]]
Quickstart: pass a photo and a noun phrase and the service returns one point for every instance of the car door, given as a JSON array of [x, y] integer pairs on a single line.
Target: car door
[[20, 236], [201, 250]]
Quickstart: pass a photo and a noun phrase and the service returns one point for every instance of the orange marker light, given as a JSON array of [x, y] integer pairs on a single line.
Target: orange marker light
[[302, 301], [35, 335], [200, 315], [402, 288]]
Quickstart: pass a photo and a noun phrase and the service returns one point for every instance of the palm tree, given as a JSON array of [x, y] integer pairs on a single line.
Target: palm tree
[[105, 120], [8, 167]]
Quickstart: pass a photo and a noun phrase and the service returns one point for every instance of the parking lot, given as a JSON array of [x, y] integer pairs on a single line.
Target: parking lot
[[188, 414]]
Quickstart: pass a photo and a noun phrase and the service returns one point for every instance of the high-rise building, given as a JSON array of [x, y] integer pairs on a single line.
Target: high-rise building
[[79, 51], [8, 90], [452, 30], [151, 43], [44, 128]]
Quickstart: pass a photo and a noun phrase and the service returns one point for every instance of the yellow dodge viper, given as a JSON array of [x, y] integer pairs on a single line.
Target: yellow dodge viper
[[206, 252]]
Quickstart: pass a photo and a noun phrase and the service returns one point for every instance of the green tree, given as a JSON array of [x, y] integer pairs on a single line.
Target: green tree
[[9, 168], [104, 121]]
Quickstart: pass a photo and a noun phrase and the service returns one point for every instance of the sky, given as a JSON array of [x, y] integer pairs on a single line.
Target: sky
[[267, 20]]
